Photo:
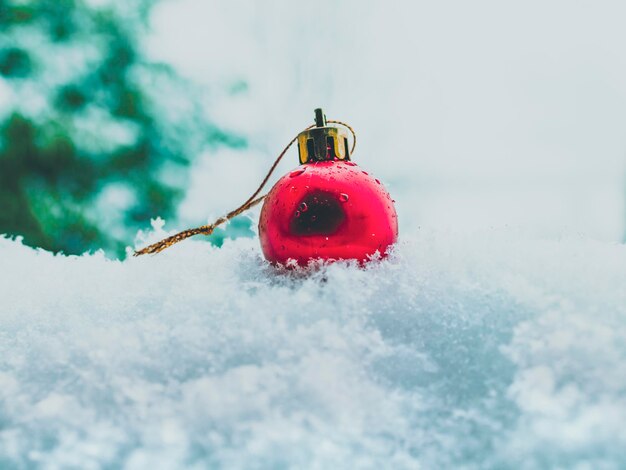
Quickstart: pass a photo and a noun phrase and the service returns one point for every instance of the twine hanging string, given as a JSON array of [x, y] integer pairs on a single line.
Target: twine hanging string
[[250, 202]]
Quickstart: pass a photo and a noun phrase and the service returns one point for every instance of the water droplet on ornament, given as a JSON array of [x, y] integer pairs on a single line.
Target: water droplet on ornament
[[303, 207], [293, 188], [297, 214], [326, 238], [377, 180], [343, 197], [313, 218], [351, 163], [296, 172]]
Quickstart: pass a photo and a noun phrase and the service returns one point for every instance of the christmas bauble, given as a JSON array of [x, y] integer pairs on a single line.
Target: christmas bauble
[[328, 208]]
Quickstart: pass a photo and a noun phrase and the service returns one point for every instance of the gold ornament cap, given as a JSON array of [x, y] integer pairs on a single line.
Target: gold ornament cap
[[323, 142]]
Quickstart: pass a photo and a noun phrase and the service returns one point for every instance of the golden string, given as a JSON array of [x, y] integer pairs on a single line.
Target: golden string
[[252, 201]]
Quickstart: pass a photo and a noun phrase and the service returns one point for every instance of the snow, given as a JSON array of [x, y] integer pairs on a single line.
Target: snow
[[492, 349]]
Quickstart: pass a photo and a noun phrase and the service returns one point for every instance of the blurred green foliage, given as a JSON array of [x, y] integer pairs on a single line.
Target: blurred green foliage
[[100, 153]]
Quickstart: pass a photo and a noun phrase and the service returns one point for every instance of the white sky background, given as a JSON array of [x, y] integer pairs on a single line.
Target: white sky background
[[474, 114]]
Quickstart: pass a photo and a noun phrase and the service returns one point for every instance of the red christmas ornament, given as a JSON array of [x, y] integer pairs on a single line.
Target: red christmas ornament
[[328, 208]]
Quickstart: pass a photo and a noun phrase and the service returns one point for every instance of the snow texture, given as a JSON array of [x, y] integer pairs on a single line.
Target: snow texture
[[492, 350]]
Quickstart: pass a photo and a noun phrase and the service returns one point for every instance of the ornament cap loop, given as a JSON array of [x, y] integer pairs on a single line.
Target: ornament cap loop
[[320, 118], [323, 142]]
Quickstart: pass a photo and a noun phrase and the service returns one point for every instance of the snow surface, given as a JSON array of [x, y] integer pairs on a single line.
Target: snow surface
[[485, 350]]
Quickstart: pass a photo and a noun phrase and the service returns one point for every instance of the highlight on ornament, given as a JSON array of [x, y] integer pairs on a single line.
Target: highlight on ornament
[[328, 208]]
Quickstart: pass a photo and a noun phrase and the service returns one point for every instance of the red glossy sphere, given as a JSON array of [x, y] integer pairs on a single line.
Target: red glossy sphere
[[327, 210]]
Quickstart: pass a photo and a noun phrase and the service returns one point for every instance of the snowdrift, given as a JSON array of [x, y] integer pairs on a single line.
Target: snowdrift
[[490, 350]]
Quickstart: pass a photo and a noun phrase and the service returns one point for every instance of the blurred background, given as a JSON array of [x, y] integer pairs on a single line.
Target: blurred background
[[476, 115]]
